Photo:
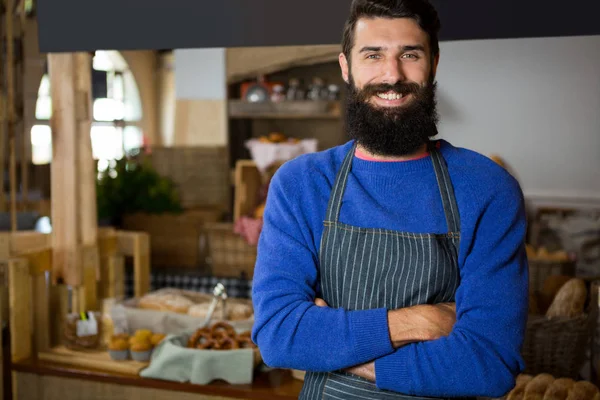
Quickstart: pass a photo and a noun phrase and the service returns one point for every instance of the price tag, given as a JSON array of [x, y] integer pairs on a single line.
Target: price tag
[[87, 326]]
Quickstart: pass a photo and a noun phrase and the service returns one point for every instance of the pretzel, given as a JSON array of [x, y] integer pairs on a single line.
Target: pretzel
[[246, 343], [223, 326]]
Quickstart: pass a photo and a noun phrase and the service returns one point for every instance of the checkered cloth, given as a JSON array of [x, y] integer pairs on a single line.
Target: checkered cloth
[[236, 287]]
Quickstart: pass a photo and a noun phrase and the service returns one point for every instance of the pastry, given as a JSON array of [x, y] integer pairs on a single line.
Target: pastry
[[220, 336], [118, 349], [536, 388], [143, 334], [141, 351], [583, 390], [157, 338], [518, 391], [559, 389]]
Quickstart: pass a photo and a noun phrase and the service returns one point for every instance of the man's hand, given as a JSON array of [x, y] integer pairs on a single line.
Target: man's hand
[[320, 302], [366, 371], [421, 323]]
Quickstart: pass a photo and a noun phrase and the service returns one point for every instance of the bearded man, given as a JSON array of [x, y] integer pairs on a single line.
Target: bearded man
[[393, 266]]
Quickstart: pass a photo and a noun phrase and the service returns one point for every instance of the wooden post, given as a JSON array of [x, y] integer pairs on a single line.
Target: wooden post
[[72, 172], [3, 112], [10, 99]]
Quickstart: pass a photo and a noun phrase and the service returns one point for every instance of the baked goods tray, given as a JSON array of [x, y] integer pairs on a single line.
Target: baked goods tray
[[129, 316], [174, 360]]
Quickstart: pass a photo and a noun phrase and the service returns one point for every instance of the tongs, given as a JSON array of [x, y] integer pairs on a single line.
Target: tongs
[[219, 294]]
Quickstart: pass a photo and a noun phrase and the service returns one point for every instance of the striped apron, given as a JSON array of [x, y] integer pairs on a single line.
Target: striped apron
[[365, 268]]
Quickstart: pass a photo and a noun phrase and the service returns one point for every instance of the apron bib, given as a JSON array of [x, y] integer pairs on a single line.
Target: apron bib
[[365, 268]]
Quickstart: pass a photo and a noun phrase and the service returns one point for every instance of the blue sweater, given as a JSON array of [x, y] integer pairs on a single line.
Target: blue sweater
[[481, 357]]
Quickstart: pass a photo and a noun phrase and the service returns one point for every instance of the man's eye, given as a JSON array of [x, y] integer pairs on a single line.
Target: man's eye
[[410, 56], [373, 56]]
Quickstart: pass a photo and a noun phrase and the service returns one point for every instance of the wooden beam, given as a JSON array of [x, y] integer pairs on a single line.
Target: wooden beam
[[74, 216], [63, 172], [3, 111], [10, 99]]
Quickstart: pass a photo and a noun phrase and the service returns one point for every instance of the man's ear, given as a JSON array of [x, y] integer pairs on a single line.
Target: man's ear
[[434, 64], [344, 67]]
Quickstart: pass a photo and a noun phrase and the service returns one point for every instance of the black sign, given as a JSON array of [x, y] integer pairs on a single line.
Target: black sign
[[75, 25]]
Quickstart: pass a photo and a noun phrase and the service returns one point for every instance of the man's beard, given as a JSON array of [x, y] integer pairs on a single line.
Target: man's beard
[[394, 131]]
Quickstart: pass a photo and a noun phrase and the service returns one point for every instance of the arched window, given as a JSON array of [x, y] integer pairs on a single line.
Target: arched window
[[117, 112]]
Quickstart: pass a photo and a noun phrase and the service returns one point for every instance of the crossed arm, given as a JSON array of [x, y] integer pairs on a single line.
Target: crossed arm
[[479, 357], [410, 325]]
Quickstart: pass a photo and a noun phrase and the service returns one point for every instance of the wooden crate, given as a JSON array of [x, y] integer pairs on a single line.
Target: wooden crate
[[176, 238], [248, 182], [229, 254]]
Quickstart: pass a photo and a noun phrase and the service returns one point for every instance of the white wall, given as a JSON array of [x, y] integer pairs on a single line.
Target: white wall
[[200, 74], [201, 98], [534, 102]]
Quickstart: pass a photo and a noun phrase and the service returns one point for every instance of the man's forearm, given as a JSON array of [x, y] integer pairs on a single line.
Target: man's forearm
[[420, 323]]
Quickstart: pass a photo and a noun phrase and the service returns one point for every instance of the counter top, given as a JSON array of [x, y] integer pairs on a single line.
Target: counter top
[[273, 384]]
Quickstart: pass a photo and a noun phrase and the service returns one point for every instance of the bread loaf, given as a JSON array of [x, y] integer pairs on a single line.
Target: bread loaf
[[165, 302], [559, 389], [518, 391], [235, 311], [583, 390], [537, 387], [570, 300], [550, 288]]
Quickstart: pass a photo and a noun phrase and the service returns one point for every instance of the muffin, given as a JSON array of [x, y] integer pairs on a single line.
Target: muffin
[[141, 351], [143, 334], [156, 339], [118, 349]]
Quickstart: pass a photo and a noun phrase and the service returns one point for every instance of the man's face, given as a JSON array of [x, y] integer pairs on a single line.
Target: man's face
[[390, 76]]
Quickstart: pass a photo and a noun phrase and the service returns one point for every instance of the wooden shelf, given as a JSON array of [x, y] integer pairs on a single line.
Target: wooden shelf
[[240, 109]]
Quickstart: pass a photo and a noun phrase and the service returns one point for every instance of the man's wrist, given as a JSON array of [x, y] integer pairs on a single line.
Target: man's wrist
[[405, 327]]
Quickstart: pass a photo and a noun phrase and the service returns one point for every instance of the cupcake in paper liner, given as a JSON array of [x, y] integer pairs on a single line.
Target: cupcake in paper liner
[[118, 349], [141, 351]]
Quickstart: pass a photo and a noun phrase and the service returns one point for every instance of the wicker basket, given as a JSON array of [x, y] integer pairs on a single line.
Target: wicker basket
[[557, 346], [229, 254], [74, 342]]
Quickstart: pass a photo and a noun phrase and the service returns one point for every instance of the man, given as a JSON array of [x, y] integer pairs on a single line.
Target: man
[[394, 265]]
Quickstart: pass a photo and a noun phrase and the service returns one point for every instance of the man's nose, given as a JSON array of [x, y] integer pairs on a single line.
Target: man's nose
[[392, 72]]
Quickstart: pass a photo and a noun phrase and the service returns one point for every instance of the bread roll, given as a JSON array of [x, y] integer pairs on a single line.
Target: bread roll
[[536, 388], [559, 389], [583, 390], [570, 300], [519, 390], [166, 302]]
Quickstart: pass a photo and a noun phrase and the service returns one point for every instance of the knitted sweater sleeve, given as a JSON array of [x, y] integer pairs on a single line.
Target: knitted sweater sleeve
[[481, 357]]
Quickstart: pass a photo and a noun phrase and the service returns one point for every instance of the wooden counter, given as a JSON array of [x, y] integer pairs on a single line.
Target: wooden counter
[[51, 381]]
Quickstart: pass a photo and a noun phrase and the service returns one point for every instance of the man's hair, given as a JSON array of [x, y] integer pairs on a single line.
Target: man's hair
[[420, 10]]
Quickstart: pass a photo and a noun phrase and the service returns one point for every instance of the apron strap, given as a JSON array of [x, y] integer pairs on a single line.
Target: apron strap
[[335, 199], [446, 189]]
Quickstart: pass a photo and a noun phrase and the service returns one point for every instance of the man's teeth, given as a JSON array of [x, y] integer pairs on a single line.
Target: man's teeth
[[390, 96]]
